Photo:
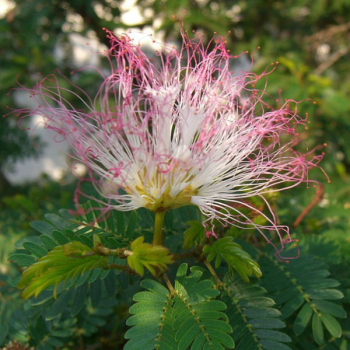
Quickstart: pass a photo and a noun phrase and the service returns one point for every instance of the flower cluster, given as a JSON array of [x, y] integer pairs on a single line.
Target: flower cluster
[[180, 128]]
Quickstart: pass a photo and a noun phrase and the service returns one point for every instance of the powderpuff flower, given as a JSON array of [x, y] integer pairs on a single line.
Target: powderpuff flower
[[180, 129]]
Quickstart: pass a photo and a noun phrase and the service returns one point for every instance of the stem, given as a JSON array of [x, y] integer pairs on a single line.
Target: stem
[[168, 283], [186, 255], [212, 271], [99, 249], [318, 197], [117, 267], [158, 238]]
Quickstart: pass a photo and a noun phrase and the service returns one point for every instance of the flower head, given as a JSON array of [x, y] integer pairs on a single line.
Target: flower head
[[180, 129]]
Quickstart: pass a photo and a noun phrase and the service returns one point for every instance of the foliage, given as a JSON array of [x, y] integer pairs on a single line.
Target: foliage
[[54, 267], [82, 263], [305, 290], [187, 317], [146, 255], [236, 258], [253, 319], [310, 295]]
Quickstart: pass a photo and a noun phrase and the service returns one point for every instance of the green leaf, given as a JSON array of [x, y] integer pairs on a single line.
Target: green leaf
[[110, 283], [144, 255], [317, 329], [48, 242], [79, 299], [151, 320], [60, 237], [292, 305], [57, 221], [194, 234], [59, 265], [189, 317], [42, 227], [331, 308], [304, 283], [325, 294], [35, 249], [193, 296], [120, 222], [236, 258], [331, 324], [131, 225], [302, 319], [272, 345], [272, 335], [95, 292], [3, 333], [251, 316], [22, 260], [59, 305]]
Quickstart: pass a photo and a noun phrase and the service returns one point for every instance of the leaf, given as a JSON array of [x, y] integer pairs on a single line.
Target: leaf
[[35, 249], [192, 301], [144, 255], [131, 225], [59, 265], [326, 294], [331, 308], [317, 329], [150, 318], [189, 317], [57, 221], [331, 324], [79, 299], [304, 283], [95, 292], [236, 258], [48, 242], [42, 227], [194, 234], [120, 222], [22, 260], [3, 333], [302, 319], [59, 305], [252, 317]]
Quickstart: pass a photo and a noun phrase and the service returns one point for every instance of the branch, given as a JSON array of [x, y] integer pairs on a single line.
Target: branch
[[332, 59], [318, 197], [212, 271]]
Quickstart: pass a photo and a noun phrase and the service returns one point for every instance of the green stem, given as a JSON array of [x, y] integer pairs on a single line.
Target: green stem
[[169, 285], [212, 271], [186, 255], [158, 238]]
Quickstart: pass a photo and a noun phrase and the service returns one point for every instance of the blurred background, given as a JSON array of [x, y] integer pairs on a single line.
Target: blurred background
[[309, 38]]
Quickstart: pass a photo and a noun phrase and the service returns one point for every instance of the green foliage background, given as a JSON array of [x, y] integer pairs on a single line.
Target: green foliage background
[[310, 40]]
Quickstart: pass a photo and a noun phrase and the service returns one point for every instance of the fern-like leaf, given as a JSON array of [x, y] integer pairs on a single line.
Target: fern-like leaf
[[236, 258], [194, 234], [255, 323], [59, 265], [144, 255], [302, 288], [199, 320], [152, 319], [189, 317]]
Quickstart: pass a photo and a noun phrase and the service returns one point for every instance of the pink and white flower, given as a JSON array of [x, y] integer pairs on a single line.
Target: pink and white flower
[[180, 129]]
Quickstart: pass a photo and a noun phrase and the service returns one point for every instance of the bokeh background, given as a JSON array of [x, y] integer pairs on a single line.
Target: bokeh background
[[309, 38]]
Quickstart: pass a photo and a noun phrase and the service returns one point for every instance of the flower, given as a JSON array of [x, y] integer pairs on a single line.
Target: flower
[[180, 129]]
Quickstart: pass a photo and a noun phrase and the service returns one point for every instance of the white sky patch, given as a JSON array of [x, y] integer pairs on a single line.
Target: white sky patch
[[53, 160], [5, 7], [131, 14]]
